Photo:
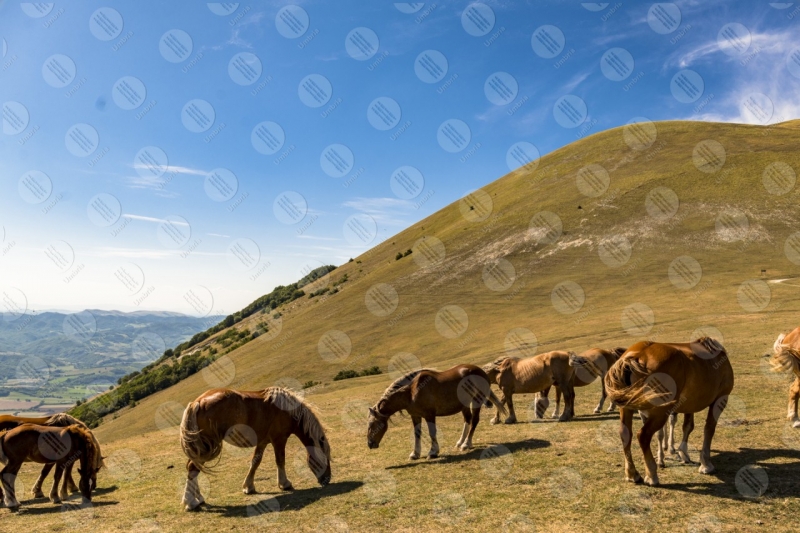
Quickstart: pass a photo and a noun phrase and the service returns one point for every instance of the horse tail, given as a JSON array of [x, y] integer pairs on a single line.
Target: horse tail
[[199, 448], [627, 390], [3, 458], [493, 369], [618, 351], [786, 358], [492, 399], [778, 345]]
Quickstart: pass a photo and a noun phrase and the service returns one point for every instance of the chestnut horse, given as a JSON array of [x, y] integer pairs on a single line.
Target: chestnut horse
[[660, 379], [57, 420], [247, 419], [590, 365], [61, 446], [428, 393], [531, 375], [786, 356]]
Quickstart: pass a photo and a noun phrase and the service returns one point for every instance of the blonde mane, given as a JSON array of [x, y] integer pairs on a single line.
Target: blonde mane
[[63, 419], [289, 401]]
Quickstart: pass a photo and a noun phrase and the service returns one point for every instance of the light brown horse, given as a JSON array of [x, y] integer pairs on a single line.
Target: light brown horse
[[590, 365], [428, 393], [660, 379], [247, 419], [786, 356], [62, 446], [56, 420], [531, 375]]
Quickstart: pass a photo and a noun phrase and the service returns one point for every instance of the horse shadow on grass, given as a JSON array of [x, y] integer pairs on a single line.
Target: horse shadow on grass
[[780, 480], [475, 453], [74, 506], [285, 501]]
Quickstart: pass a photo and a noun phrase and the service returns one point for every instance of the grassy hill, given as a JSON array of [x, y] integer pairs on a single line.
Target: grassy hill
[[686, 233]]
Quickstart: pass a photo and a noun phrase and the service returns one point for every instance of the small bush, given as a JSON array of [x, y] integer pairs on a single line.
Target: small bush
[[398, 257], [345, 374], [408, 252], [310, 383]]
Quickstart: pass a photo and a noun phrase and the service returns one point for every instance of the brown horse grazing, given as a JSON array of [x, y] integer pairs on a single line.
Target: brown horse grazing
[[660, 379], [428, 393], [57, 420], [786, 356], [531, 375], [590, 365], [247, 419], [47, 444]]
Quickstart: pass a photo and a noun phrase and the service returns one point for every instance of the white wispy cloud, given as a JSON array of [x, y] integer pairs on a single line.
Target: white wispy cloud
[[387, 211], [152, 219]]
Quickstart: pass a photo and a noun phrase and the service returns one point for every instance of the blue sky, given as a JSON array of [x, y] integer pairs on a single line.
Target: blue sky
[[190, 157]]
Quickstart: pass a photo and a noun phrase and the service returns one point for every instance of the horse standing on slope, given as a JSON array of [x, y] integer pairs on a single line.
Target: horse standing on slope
[[590, 365], [660, 379], [57, 420], [786, 356], [62, 446], [428, 393], [247, 419]]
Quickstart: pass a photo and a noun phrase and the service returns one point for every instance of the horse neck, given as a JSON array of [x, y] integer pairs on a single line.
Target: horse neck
[[396, 401], [299, 428]]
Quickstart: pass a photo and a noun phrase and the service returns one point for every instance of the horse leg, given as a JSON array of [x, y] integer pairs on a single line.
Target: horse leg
[[599, 408], [661, 440], [654, 422], [37, 487], [541, 403], [63, 494], [467, 419], [248, 487], [558, 403], [69, 481], [794, 395], [512, 415], [476, 416], [8, 476], [716, 407], [683, 447], [434, 452], [625, 434], [192, 498], [417, 421], [54, 497], [673, 420], [496, 418], [279, 447], [569, 403]]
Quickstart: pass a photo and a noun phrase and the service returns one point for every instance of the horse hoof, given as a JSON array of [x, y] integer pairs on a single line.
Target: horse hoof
[[651, 481], [597, 411], [249, 490], [433, 456], [414, 456], [465, 447], [56, 501], [796, 424], [555, 416], [636, 479], [706, 469], [662, 464], [39, 494], [510, 421], [286, 487]]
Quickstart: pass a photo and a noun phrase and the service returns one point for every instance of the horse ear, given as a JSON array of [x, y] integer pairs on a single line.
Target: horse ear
[[373, 412]]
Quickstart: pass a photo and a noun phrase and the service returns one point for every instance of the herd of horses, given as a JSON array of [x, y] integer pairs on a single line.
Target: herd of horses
[[657, 380]]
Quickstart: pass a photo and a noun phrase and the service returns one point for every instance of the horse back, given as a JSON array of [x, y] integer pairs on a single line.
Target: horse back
[[437, 393]]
